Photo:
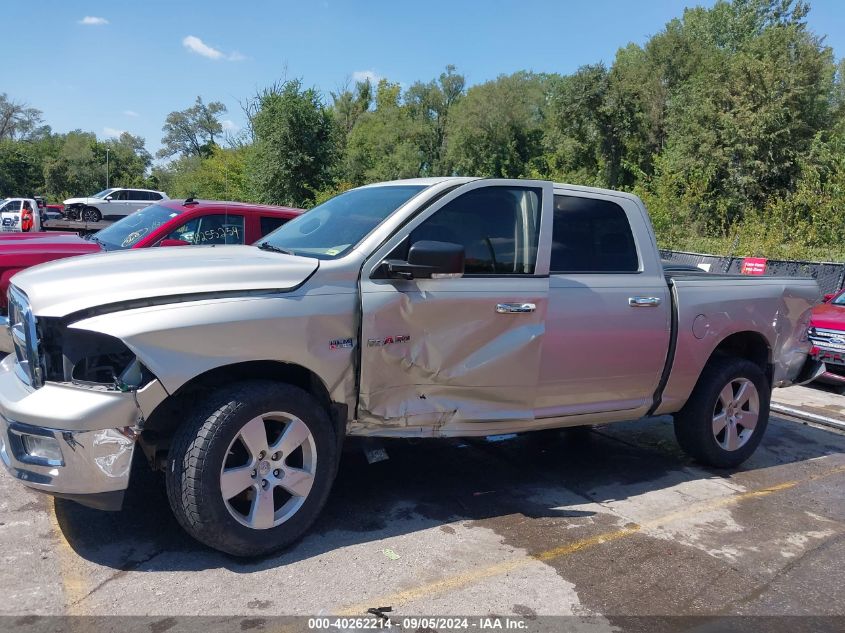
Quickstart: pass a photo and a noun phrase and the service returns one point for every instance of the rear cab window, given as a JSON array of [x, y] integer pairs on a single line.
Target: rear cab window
[[591, 235], [270, 223]]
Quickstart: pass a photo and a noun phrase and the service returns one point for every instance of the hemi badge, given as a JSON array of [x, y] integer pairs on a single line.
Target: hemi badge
[[341, 343]]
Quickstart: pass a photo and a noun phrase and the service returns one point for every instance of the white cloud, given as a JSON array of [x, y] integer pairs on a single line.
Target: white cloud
[[90, 20], [196, 45], [229, 125], [364, 75], [111, 132], [131, 113]]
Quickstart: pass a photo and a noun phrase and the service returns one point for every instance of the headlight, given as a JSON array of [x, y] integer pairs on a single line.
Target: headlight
[[93, 358], [90, 358], [24, 333]]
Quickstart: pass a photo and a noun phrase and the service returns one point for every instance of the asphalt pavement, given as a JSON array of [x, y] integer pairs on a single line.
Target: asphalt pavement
[[604, 525]]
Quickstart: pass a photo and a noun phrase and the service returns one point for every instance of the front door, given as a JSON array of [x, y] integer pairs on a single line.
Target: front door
[[118, 207], [10, 216], [459, 356]]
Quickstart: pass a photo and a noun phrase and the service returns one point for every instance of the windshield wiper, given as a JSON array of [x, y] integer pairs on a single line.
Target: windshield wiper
[[267, 246]]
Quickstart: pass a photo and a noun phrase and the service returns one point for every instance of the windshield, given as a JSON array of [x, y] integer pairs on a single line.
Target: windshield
[[330, 230], [103, 193], [840, 300], [127, 232]]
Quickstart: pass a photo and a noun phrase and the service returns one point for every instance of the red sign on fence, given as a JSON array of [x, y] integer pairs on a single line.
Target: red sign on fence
[[754, 266]]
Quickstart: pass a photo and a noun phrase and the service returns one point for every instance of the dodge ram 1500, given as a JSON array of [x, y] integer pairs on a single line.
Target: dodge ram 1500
[[417, 308]]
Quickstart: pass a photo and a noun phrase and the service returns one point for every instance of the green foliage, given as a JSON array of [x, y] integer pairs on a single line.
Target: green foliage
[[382, 145], [220, 176], [295, 145], [20, 171], [18, 121], [193, 131], [497, 128]]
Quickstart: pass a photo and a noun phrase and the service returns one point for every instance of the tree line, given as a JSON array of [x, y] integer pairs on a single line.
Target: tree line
[[729, 123]]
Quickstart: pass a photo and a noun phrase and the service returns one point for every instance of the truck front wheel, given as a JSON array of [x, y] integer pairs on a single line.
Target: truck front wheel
[[250, 471], [725, 417]]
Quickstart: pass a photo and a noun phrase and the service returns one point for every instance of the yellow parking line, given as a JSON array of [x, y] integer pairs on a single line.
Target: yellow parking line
[[74, 582], [468, 578]]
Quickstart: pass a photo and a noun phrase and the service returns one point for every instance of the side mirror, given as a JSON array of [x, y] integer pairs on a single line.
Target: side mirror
[[428, 259], [109, 198], [170, 242], [829, 296]]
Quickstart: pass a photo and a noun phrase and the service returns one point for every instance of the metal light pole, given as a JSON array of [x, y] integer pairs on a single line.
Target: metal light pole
[[107, 168]]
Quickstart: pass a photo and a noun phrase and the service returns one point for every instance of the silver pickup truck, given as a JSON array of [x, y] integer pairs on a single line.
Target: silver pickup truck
[[440, 307]]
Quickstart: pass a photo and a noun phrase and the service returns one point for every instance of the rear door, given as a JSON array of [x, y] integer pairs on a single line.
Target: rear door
[[137, 200], [458, 355], [608, 322]]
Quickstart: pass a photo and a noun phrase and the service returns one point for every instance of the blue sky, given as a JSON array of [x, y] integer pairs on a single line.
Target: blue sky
[[132, 62]]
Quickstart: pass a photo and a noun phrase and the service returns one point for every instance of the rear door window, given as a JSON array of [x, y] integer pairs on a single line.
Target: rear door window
[[591, 236]]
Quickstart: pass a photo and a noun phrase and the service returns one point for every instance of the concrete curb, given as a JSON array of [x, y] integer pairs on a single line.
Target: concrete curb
[[809, 417]]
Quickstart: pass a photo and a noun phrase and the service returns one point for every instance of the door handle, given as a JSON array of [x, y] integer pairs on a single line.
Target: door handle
[[515, 308], [644, 302]]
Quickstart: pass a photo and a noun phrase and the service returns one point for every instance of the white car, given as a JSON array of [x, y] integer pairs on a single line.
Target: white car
[[111, 204], [19, 215]]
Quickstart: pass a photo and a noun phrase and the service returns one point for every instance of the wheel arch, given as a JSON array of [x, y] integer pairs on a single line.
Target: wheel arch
[[749, 345], [169, 415]]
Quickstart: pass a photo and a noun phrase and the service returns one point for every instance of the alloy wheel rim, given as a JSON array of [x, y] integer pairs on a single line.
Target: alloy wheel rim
[[735, 414], [268, 470]]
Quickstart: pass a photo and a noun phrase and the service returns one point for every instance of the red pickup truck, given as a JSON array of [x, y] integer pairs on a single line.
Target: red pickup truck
[[827, 333], [167, 223]]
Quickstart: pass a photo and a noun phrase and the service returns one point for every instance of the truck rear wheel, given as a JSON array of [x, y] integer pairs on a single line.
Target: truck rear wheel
[[250, 472], [724, 419]]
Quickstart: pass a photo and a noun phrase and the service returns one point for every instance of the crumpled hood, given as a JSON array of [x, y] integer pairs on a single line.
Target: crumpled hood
[[70, 201], [60, 288]]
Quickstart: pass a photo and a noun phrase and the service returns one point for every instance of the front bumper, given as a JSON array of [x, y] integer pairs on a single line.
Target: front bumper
[[93, 468], [93, 431]]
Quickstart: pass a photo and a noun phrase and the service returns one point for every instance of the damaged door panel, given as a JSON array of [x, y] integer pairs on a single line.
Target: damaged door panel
[[439, 353]]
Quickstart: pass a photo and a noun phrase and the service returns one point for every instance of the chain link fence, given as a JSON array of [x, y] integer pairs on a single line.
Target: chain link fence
[[830, 275]]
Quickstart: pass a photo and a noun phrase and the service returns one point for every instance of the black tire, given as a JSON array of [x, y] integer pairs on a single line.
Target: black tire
[[91, 214], [199, 451], [694, 423]]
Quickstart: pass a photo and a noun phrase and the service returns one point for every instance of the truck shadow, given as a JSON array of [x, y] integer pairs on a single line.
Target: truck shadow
[[431, 483]]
